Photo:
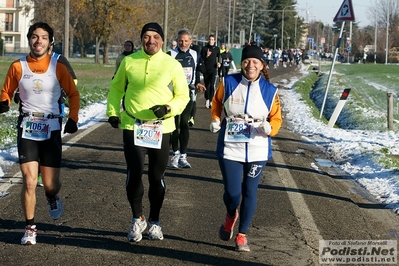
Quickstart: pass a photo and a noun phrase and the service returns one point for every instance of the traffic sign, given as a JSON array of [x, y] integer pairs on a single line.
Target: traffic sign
[[345, 12], [348, 48]]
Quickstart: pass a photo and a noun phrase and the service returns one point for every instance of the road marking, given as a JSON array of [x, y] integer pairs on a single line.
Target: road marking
[[79, 136], [16, 179], [301, 209]]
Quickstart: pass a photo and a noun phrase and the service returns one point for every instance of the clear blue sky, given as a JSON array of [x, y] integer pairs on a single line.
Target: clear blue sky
[[325, 10]]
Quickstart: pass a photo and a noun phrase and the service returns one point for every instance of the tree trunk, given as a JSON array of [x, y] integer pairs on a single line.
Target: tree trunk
[[97, 57], [105, 54]]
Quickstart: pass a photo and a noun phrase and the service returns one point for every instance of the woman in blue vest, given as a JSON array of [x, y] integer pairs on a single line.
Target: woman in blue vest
[[252, 114]]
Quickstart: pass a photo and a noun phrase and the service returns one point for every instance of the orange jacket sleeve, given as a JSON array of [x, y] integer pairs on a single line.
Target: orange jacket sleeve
[[67, 83], [11, 82], [217, 102], [275, 116]]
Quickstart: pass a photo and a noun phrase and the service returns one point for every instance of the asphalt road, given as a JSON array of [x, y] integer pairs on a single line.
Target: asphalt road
[[299, 203]]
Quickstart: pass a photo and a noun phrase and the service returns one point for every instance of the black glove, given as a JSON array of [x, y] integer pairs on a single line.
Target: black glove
[[4, 107], [114, 121], [159, 110], [70, 126], [16, 97]]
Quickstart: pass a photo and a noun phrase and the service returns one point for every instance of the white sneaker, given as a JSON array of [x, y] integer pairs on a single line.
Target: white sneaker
[[136, 229], [29, 237], [174, 161], [183, 161], [55, 208], [155, 231], [207, 104]]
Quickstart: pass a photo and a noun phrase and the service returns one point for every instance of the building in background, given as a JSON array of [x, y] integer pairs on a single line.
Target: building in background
[[15, 19]]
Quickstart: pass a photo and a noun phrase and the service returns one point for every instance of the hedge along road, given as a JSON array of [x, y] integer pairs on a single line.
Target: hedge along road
[[298, 205]]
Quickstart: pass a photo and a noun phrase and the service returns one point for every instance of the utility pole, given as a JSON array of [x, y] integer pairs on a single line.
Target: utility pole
[[66, 29], [252, 22], [386, 41], [165, 26], [210, 16], [232, 27], [350, 41], [228, 30], [375, 41], [217, 23], [198, 17]]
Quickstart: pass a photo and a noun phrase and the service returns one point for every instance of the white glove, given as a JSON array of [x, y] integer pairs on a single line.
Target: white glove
[[215, 126], [266, 127]]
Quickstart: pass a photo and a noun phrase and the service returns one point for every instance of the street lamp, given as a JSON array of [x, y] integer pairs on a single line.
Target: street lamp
[[275, 37], [288, 39], [282, 26]]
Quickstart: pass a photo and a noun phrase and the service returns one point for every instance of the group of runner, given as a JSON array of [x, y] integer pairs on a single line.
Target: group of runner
[[287, 58], [157, 91]]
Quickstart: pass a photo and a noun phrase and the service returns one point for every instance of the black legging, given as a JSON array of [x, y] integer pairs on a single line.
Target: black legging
[[194, 109], [182, 133], [157, 162], [225, 70], [209, 80]]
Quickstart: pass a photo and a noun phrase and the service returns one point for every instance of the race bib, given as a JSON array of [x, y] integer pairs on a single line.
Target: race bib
[[148, 134], [238, 130], [36, 128], [188, 72]]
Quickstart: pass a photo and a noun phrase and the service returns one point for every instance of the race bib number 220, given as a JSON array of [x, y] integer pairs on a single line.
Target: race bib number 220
[[148, 135]]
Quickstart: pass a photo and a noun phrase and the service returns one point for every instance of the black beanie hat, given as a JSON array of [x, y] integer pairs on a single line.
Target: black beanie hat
[[152, 26], [252, 51]]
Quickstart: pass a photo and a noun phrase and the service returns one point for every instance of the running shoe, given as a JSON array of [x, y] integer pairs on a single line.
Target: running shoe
[[174, 161], [191, 122], [136, 229], [29, 237], [226, 229], [242, 243], [183, 161], [55, 207], [39, 180], [155, 231]]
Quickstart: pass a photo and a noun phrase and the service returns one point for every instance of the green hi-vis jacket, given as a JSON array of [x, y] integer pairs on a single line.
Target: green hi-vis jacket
[[151, 80]]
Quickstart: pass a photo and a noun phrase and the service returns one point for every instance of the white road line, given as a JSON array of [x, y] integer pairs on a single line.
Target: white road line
[[301, 209], [16, 179], [80, 136]]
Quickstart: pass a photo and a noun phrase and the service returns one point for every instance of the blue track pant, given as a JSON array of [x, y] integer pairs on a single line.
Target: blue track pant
[[241, 179]]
